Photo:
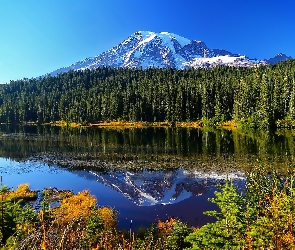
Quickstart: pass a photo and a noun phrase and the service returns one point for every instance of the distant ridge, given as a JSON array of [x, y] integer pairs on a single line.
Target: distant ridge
[[145, 49], [278, 58]]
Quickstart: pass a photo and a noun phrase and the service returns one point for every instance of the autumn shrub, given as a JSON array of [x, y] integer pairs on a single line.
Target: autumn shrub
[[101, 231], [77, 223], [65, 228], [76, 207], [168, 234], [17, 221], [108, 216], [172, 233], [270, 210]]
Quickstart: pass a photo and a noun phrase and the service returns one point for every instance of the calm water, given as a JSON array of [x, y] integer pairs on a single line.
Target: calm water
[[145, 174]]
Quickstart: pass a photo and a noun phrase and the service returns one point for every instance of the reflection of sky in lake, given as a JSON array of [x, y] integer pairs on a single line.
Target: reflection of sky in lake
[[40, 175], [188, 208]]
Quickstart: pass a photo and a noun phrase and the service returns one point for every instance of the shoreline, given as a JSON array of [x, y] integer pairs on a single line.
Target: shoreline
[[231, 125]]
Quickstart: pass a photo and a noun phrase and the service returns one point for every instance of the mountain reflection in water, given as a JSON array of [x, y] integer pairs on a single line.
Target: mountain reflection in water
[[148, 188]]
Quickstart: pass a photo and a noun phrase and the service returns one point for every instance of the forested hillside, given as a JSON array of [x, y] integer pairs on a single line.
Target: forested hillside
[[259, 97]]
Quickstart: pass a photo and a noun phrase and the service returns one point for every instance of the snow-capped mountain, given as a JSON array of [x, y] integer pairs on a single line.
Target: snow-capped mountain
[[149, 49], [166, 187]]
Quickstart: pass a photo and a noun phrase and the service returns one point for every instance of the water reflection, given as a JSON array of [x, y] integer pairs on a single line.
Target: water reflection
[[146, 174], [151, 148], [148, 188]]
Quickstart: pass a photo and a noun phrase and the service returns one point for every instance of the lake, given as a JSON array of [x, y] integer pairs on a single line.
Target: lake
[[144, 174]]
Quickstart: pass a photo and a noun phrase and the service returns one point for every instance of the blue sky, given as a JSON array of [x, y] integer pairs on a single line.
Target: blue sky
[[37, 37]]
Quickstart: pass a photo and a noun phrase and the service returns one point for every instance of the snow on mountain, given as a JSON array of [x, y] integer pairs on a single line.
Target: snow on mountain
[[150, 49]]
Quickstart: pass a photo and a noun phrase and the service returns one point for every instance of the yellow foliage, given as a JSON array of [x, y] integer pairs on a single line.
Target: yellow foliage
[[229, 125], [43, 245], [61, 123], [108, 216], [197, 124], [78, 206], [75, 125], [126, 124], [26, 227], [22, 192]]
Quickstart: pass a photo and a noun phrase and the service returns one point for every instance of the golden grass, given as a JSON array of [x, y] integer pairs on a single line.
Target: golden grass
[[231, 125], [129, 124], [125, 124], [60, 123], [197, 124]]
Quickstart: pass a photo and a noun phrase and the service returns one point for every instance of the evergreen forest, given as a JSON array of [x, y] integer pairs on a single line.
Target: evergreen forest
[[261, 97]]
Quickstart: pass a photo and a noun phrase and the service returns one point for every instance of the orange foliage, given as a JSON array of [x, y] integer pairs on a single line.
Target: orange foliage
[[288, 240], [165, 227]]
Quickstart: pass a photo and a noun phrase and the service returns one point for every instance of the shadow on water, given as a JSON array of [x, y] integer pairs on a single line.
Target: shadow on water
[[145, 174]]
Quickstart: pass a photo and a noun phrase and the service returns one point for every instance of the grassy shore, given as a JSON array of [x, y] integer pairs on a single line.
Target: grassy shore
[[130, 124]]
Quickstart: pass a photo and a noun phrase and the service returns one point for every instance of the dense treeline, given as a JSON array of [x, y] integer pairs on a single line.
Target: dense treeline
[[258, 97]]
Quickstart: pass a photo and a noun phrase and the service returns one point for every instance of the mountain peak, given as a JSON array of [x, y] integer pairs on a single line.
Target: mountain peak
[[278, 58], [281, 55], [144, 33], [164, 35]]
